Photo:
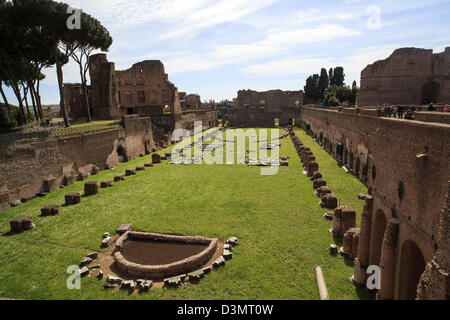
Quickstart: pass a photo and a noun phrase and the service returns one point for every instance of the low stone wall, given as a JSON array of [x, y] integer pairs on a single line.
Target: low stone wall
[[164, 271]]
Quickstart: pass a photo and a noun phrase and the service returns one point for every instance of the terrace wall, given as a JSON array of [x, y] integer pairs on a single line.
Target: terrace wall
[[25, 165]]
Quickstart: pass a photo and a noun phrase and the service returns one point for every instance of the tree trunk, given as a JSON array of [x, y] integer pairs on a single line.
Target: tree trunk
[[4, 96], [61, 93], [19, 99], [38, 100], [33, 100], [84, 88], [25, 98]]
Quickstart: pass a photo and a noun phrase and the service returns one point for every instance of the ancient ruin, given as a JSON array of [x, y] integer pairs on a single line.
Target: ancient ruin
[[268, 108], [410, 76]]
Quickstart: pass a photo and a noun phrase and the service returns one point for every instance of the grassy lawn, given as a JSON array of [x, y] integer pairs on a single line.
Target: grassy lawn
[[277, 220]]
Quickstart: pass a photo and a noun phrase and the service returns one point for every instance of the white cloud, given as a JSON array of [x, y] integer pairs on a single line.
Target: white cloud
[[288, 67]]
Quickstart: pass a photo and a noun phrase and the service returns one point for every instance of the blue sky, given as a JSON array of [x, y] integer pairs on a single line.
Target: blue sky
[[217, 47]]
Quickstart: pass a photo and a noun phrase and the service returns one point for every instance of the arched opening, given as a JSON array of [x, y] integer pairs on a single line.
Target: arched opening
[[412, 265], [430, 92], [379, 228]]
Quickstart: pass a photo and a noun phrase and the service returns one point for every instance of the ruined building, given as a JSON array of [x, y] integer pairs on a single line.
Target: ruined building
[[404, 228], [190, 101], [142, 90], [409, 76], [254, 108]]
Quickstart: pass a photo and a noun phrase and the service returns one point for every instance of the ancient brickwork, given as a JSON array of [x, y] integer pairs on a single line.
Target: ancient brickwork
[[409, 76], [254, 108], [406, 166], [28, 168]]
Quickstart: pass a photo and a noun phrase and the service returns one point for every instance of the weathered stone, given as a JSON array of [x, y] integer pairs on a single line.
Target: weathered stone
[[50, 185], [100, 274], [196, 276], [68, 180], [316, 175], [227, 255], [128, 285], [206, 270], [50, 210], [106, 242], [90, 188], [95, 266], [119, 178], [333, 249], [173, 282], [329, 201], [20, 224], [73, 198], [110, 285], [140, 168], [123, 228], [219, 262], [144, 285], [227, 247], [130, 172], [106, 184], [233, 241], [95, 170], [106, 235], [85, 261], [114, 280], [319, 183], [16, 203], [156, 158], [148, 165], [362, 196], [84, 271]]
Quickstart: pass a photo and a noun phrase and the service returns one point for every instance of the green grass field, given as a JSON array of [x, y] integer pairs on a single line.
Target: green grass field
[[277, 220]]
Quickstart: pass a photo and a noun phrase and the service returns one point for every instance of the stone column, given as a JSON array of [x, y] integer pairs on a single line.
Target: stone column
[[387, 265], [362, 260]]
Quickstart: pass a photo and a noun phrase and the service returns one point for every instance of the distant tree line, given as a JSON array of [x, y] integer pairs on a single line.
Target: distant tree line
[[329, 88], [38, 34], [223, 106]]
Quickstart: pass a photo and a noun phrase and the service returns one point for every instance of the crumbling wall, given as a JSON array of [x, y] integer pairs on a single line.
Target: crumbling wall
[[409, 76], [26, 166]]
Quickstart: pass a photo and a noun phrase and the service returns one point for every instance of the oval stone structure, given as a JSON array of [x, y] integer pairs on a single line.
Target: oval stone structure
[[158, 256]]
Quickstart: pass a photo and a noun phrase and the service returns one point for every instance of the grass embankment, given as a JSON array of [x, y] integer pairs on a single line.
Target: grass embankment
[[277, 220]]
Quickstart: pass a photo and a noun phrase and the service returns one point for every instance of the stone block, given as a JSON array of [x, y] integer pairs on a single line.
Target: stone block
[[68, 180], [322, 191], [85, 261], [84, 271], [50, 210], [50, 185], [95, 170], [219, 262], [20, 224], [148, 165], [319, 183], [106, 184], [105, 242], [119, 178], [227, 255], [128, 285], [173, 282], [140, 168], [329, 201], [123, 228], [156, 158], [196, 276], [333, 249], [233, 241], [90, 188], [130, 172], [312, 167]]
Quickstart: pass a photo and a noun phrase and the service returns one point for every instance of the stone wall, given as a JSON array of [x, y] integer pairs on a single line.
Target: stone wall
[[409, 76], [208, 117], [28, 168], [406, 166], [254, 108]]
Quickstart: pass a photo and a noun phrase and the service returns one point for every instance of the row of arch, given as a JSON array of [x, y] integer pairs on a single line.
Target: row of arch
[[410, 261], [411, 264]]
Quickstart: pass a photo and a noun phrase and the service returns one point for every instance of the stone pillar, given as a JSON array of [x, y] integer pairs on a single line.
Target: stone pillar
[[362, 260], [337, 216], [387, 265]]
